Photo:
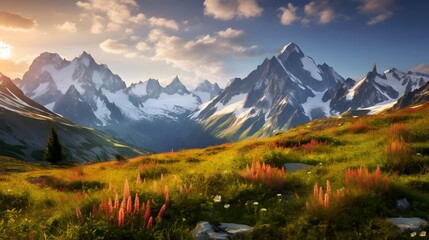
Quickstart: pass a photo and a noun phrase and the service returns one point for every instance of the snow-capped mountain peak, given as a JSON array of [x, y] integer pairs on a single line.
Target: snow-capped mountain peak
[[289, 48], [206, 90], [176, 86], [86, 59], [47, 58], [376, 91]]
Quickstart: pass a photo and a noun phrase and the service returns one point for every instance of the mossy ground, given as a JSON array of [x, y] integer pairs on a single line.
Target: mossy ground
[[38, 201]]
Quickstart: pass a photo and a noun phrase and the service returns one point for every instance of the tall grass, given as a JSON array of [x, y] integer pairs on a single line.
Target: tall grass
[[360, 128], [322, 198], [399, 156], [358, 182], [128, 212], [399, 131], [313, 145], [265, 174], [362, 180]]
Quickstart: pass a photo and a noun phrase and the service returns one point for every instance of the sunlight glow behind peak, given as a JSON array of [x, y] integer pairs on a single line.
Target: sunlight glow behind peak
[[5, 51]]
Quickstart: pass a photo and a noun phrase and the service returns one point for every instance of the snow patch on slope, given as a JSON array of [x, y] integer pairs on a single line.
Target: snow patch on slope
[[316, 102], [140, 89], [175, 103], [311, 67], [235, 105], [204, 96], [96, 78], [378, 108], [40, 90], [123, 103], [62, 77], [102, 112], [351, 93]]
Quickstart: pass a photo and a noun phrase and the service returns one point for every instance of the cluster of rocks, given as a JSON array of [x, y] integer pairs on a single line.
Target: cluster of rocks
[[220, 231]]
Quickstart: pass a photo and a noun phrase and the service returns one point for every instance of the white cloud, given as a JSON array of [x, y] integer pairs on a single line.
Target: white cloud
[[97, 26], [155, 34], [229, 9], [380, 8], [379, 18], [288, 15], [231, 33], [114, 46], [318, 11], [326, 16], [310, 9], [305, 21], [138, 19], [15, 22], [142, 46], [135, 38], [202, 56], [117, 12], [12, 68], [67, 26], [421, 68], [113, 15], [375, 6], [163, 22]]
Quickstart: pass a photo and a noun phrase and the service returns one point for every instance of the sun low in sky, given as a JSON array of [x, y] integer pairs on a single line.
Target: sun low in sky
[[213, 39], [5, 51]]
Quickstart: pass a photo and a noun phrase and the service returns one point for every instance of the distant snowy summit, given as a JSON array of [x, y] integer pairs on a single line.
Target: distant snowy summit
[[90, 94], [144, 114]]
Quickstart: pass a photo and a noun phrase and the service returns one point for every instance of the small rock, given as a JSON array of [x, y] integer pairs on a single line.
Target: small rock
[[206, 231], [413, 224], [292, 167], [402, 203]]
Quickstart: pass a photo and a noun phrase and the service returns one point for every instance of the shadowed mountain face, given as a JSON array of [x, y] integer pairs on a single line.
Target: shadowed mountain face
[[25, 126], [376, 90], [415, 97]]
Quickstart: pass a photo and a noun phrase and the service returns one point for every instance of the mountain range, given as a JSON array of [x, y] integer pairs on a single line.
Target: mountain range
[[144, 114], [25, 126], [284, 91], [291, 89]]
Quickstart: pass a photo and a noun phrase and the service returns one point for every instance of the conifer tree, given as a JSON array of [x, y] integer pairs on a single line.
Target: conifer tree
[[54, 150]]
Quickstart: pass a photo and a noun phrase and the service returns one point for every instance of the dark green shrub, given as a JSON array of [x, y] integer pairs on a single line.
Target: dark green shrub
[[10, 201], [54, 150]]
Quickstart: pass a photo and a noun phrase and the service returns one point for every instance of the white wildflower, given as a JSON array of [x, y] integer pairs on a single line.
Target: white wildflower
[[217, 198]]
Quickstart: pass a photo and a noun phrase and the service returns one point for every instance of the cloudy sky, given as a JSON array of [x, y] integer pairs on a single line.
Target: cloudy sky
[[214, 39]]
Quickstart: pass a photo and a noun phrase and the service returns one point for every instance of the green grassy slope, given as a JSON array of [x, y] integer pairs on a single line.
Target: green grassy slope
[[41, 201]]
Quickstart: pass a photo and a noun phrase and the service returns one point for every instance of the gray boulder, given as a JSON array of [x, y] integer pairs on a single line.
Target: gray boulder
[[223, 231], [412, 224]]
